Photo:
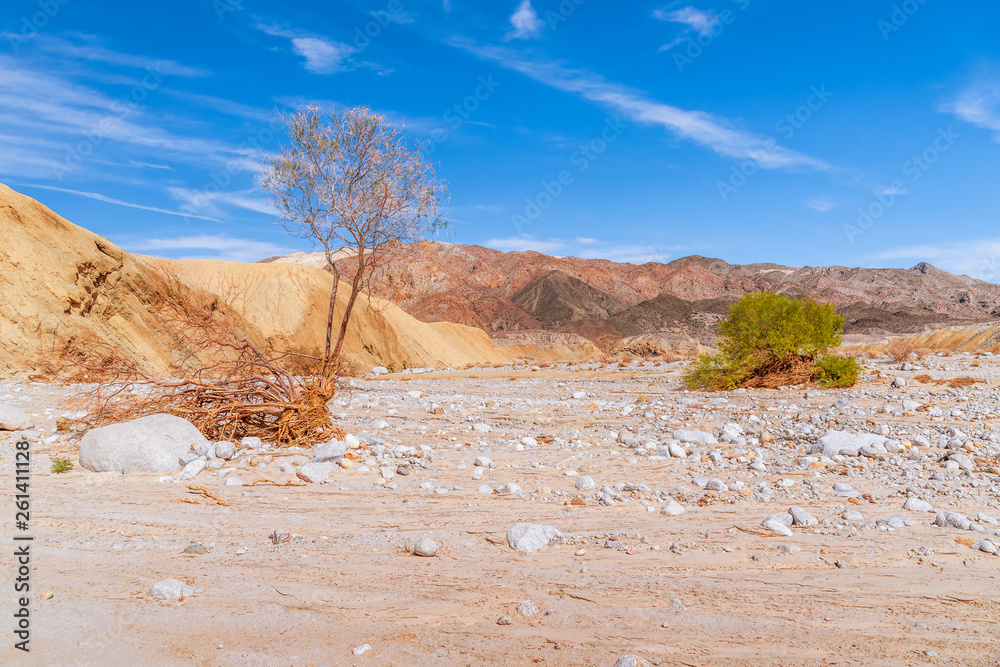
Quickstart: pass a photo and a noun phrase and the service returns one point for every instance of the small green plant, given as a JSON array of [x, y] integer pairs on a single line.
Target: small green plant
[[837, 371], [61, 465], [773, 340]]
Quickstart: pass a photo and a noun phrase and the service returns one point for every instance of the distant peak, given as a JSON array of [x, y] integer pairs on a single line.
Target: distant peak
[[925, 268]]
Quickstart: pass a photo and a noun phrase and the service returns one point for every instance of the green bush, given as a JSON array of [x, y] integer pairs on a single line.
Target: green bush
[[772, 338], [61, 465], [836, 371]]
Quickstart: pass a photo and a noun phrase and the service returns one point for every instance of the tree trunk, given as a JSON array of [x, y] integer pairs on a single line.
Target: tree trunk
[[355, 290], [329, 318]]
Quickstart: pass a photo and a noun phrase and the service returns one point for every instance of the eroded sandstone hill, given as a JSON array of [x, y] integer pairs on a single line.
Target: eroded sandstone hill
[[60, 282]]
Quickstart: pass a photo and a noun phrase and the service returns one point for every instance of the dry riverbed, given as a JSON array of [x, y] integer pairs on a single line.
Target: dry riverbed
[[462, 456]]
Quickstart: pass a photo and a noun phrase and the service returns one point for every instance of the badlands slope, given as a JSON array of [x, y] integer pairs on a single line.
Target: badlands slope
[[59, 282]]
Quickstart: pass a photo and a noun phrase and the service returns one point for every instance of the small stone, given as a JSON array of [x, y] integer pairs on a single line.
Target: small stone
[[527, 608], [358, 650], [800, 517], [314, 473], [426, 547], [585, 483], [279, 536], [196, 549], [171, 589], [672, 508], [504, 620], [631, 661], [225, 450], [917, 505], [528, 537], [677, 451]]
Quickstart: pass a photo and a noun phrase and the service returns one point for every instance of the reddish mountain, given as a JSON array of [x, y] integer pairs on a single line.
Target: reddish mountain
[[603, 300]]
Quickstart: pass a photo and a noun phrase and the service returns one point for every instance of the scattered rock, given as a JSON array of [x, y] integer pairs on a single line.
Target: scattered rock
[[695, 437], [171, 589], [585, 483], [15, 419], [426, 547], [527, 608], [329, 451], [314, 473], [917, 505], [672, 508], [529, 537]]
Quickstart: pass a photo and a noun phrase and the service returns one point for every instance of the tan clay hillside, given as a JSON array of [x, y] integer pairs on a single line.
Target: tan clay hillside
[[59, 282]]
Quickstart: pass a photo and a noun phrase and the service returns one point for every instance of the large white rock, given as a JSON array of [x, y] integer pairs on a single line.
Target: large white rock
[[14, 419], [530, 537], [695, 437], [835, 443], [148, 444]]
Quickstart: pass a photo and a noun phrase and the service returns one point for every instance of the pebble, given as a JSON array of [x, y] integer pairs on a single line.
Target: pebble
[[426, 547], [585, 483], [527, 608], [171, 589], [504, 620], [672, 508], [358, 650], [917, 505], [529, 537]]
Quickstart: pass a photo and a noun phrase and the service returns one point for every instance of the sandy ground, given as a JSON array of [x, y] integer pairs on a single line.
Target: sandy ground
[[724, 595]]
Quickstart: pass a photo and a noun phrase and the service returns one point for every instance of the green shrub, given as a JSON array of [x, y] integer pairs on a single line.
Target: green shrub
[[773, 340], [836, 371], [61, 465]]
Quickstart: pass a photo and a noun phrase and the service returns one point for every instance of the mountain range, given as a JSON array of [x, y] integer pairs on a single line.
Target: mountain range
[[605, 301]]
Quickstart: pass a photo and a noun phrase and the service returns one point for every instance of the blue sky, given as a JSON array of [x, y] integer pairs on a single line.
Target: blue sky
[[860, 133]]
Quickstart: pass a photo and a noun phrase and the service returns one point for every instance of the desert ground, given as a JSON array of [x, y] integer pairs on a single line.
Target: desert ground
[[868, 583]]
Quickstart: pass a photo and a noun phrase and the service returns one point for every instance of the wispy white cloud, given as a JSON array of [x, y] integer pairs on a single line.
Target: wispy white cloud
[[979, 102], [80, 122], [701, 127], [701, 22], [104, 198], [210, 246], [525, 22], [584, 248], [821, 204], [208, 203], [979, 259], [91, 50], [321, 55]]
